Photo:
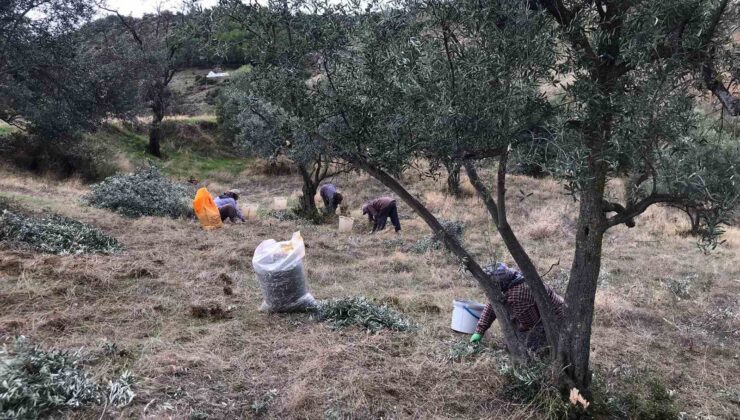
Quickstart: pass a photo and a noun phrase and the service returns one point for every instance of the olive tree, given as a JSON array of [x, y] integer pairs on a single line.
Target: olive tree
[[51, 84], [460, 80], [271, 110], [153, 43]]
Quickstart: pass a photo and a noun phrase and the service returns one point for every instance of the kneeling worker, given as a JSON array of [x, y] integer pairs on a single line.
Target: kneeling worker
[[520, 302], [379, 210], [332, 199], [227, 206]]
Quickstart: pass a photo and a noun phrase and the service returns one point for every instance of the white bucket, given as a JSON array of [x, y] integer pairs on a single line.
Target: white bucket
[[280, 203], [250, 211], [345, 224], [465, 315]]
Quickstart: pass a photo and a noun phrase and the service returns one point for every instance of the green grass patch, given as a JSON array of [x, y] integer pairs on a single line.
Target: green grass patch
[[183, 159], [185, 164]]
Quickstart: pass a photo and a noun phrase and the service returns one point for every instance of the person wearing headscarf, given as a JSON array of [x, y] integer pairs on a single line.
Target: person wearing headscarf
[[332, 199], [379, 210], [521, 305], [228, 207]]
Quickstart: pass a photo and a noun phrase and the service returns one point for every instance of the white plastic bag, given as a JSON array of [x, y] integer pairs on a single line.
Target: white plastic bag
[[279, 269]]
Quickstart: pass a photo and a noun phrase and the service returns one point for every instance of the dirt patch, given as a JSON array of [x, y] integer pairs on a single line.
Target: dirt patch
[[138, 273], [210, 310], [55, 323]]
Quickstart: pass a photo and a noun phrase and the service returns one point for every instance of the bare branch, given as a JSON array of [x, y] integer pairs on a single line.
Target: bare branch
[[494, 294], [125, 23], [638, 208], [712, 82]]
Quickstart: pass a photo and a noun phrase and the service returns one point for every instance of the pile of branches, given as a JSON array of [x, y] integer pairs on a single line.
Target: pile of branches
[[144, 193], [434, 242], [54, 234], [362, 312], [35, 382]]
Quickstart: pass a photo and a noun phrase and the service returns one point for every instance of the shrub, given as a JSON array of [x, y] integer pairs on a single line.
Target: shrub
[[432, 242], [85, 157], [35, 382], [144, 193], [362, 312], [54, 234]]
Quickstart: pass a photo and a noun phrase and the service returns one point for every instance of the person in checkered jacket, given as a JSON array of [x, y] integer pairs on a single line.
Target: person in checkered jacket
[[521, 305]]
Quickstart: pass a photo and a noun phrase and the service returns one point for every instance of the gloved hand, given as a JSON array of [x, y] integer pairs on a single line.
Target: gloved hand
[[475, 338]]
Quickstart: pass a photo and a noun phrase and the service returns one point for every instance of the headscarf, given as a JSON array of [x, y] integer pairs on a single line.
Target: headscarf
[[507, 277]]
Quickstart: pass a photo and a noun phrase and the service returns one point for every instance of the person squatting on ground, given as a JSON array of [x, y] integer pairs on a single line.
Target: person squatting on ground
[[521, 305], [227, 206], [379, 210], [332, 198]]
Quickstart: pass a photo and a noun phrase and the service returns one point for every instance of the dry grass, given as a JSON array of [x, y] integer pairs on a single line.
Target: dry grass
[[143, 298]]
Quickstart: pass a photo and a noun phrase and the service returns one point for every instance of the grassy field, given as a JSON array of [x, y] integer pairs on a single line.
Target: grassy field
[[191, 149], [664, 310]]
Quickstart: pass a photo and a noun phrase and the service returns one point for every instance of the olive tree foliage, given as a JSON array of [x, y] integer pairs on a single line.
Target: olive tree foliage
[[448, 81], [271, 110], [50, 83], [711, 191], [461, 81], [634, 65]]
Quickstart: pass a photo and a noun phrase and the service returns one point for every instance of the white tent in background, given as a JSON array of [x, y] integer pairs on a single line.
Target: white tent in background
[[213, 75]]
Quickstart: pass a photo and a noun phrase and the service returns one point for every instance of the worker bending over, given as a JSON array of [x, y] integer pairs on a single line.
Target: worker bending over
[[379, 210], [332, 199], [228, 207], [521, 305]]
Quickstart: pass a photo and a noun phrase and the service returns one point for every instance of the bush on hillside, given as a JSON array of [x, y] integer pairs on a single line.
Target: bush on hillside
[[82, 156], [35, 382], [54, 234], [144, 193]]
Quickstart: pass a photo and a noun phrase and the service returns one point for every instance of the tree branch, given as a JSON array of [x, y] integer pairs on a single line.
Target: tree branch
[[638, 208], [126, 25], [492, 290], [712, 82], [531, 276], [609, 207]]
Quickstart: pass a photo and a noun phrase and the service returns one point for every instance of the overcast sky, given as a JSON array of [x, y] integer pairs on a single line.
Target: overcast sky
[[139, 7]]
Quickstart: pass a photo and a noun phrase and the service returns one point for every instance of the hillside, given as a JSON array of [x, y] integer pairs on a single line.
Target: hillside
[[667, 318]]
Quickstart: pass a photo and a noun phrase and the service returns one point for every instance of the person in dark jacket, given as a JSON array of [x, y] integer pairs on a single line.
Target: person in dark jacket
[[332, 199], [227, 206], [520, 302], [379, 210]]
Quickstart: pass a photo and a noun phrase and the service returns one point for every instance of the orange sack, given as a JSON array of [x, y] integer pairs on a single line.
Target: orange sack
[[206, 210]]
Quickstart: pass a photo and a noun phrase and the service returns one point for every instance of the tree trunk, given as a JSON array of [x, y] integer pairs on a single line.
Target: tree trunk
[[575, 333], [307, 203], [694, 219], [515, 346], [155, 137], [453, 179], [517, 251], [155, 131]]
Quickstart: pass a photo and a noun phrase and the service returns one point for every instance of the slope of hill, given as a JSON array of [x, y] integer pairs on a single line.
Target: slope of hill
[[667, 329]]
